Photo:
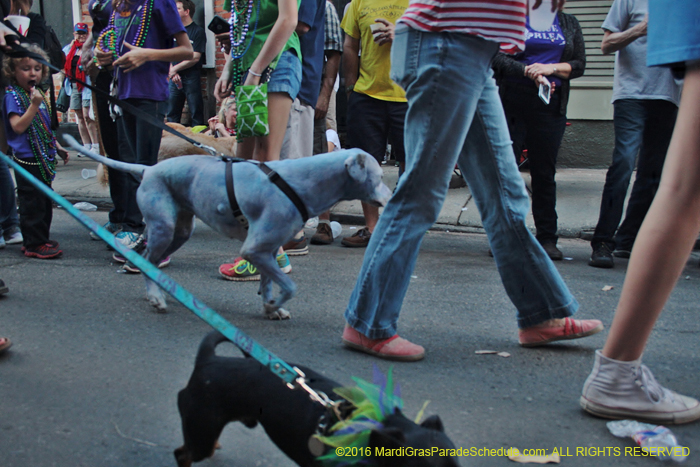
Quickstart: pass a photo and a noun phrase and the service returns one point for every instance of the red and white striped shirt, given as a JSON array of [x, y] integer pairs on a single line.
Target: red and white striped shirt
[[501, 21]]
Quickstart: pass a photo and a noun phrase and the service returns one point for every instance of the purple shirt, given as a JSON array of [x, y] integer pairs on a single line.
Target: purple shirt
[[19, 143], [150, 80], [542, 47]]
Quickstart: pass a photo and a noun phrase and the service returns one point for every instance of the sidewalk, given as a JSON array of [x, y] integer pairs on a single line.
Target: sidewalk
[[578, 199]]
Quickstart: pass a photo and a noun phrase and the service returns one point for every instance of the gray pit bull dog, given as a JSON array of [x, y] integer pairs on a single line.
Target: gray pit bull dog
[[176, 190]]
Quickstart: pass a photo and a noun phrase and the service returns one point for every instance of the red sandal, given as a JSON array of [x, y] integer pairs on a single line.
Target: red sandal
[[393, 348]]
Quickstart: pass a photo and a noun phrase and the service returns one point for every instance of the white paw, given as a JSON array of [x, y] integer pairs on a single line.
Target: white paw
[[278, 314], [158, 302]]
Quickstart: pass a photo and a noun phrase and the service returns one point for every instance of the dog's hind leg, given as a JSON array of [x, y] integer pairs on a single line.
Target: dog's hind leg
[[164, 236]]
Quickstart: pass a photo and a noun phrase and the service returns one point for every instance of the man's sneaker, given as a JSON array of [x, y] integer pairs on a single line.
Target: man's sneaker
[[128, 239], [323, 235], [13, 236], [297, 247], [242, 270], [139, 246], [552, 251], [622, 252], [111, 227], [535, 336], [359, 239], [601, 257], [45, 251], [131, 268], [621, 390]]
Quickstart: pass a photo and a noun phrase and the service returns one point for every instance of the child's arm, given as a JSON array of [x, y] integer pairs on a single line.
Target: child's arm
[[136, 56], [19, 123]]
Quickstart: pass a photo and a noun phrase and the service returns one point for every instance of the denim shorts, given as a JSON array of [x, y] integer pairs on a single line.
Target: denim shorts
[[286, 77]]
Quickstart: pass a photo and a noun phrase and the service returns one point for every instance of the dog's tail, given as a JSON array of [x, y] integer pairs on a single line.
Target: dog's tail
[[207, 349], [133, 169]]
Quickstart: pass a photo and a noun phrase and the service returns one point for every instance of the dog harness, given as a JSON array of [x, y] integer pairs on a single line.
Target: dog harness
[[273, 176]]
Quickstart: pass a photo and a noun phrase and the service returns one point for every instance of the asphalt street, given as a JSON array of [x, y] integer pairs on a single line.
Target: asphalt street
[[94, 372]]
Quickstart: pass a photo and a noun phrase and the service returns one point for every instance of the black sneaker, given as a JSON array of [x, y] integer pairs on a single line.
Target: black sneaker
[[622, 252], [601, 257]]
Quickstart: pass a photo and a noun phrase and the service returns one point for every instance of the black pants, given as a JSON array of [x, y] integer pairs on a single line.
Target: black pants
[[110, 141], [35, 209], [139, 143], [539, 127]]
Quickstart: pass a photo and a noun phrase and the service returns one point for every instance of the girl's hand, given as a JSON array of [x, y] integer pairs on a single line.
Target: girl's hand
[[62, 153], [37, 97], [212, 123], [134, 58]]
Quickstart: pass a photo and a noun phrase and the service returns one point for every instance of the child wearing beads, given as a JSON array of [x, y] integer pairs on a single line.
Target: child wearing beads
[[33, 145], [140, 41]]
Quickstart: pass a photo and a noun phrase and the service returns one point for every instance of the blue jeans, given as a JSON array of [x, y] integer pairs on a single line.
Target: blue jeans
[[642, 127], [454, 116], [8, 202], [192, 92]]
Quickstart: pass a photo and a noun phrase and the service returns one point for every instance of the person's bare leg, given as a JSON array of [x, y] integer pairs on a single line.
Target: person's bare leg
[[371, 216], [91, 126], [619, 386], [666, 237], [82, 126], [268, 147]]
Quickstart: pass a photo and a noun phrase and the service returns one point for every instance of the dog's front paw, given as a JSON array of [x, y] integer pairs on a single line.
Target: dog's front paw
[[278, 314], [158, 302]]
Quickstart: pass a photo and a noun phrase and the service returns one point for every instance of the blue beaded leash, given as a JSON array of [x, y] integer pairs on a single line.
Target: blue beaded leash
[[293, 376]]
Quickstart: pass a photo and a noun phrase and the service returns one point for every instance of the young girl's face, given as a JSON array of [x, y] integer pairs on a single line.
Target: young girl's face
[[28, 73], [230, 115]]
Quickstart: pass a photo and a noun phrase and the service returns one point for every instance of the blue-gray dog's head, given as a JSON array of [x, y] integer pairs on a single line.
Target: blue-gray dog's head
[[366, 172]]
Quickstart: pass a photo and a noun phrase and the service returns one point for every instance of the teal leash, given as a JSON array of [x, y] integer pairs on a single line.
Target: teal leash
[[291, 375]]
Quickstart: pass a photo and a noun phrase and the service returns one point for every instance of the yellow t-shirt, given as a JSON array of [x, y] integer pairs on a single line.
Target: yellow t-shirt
[[375, 61]]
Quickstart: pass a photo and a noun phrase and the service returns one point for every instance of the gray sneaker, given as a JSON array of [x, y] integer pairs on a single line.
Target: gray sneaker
[[112, 228], [621, 390], [128, 239], [13, 236]]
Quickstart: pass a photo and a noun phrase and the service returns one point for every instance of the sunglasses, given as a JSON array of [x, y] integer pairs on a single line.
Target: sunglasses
[[80, 33]]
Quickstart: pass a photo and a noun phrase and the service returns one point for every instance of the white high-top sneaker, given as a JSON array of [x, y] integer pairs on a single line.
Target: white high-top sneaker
[[620, 390], [96, 148]]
